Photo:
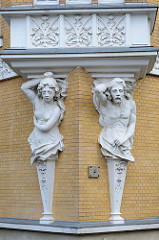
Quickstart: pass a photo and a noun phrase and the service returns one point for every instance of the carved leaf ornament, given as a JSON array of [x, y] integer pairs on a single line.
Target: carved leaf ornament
[[111, 32], [5, 71], [120, 169], [45, 32], [42, 173], [78, 30], [79, 33]]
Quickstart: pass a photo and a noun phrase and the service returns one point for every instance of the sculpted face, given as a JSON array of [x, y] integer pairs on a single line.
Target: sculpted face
[[117, 93], [48, 94]]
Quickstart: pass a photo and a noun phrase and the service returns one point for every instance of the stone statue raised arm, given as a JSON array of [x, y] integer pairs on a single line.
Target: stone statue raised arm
[[45, 140], [117, 117], [47, 96], [113, 101]]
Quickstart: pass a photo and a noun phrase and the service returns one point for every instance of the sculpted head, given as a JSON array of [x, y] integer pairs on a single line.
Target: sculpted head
[[116, 90], [48, 87]]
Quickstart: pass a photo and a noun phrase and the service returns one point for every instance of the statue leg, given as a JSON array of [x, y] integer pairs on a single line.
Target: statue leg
[[46, 173], [117, 173]]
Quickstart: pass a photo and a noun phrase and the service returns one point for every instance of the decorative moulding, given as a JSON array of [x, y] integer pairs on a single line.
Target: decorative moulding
[[46, 2], [77, 31], [5, 71], [78, 2], [111, 1], [106, 63], [72, 26]]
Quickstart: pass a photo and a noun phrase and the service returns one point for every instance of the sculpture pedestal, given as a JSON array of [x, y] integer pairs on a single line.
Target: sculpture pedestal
[[117, 173], [46, 173]]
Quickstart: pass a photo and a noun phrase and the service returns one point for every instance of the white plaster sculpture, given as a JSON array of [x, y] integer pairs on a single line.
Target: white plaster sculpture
[[47, 96], [113, 101]]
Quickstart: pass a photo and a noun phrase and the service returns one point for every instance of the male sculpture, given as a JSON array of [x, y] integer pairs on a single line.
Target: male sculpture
[[113, 101], [117, 117]]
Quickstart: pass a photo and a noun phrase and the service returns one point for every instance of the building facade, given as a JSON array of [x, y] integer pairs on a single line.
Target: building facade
[[78, 198]]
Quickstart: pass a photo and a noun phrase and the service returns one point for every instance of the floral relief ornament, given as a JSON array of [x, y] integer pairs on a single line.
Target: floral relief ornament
[[111, 31], [6, 71], [45, 31], [79, 32]]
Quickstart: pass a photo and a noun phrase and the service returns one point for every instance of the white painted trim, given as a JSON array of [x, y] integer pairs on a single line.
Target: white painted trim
[[91, 55], [61, 40], [111, 1], [80, 230], [28, 43], [129, 30], [42, 2], [94, 33], [76, 11], [139, 63], [76, 2]]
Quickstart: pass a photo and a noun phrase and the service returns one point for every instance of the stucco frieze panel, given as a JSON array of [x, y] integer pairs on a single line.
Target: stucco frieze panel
[[45, 31], [80, 30], [111, 30]]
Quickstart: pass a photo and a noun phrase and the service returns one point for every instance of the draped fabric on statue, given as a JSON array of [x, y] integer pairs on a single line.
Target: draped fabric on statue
[[45, 145]]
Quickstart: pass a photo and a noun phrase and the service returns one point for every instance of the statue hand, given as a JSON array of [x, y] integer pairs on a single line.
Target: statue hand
[[118, 142], [100, 88]]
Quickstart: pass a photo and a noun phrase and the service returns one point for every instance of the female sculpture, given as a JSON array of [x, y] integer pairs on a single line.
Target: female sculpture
[[117, 111], [45, 141]]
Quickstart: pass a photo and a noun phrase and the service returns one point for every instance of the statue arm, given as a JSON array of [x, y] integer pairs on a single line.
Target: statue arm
[[27, 89], [46, 126], [99, 91]]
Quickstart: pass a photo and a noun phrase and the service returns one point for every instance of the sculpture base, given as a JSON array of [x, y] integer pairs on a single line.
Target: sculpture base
[[46, 172], [47, 218], [117, 174], [116, 218]]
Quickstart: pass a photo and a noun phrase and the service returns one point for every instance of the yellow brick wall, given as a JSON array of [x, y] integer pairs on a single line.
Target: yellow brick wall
[[93, 193], [66, 197], [19, 189]]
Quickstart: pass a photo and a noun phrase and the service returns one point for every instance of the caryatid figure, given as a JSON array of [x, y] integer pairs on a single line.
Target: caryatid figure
[[47, 96], [117, 112]]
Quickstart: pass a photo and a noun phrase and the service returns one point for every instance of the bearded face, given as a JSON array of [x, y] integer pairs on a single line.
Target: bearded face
[[117, 93]]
